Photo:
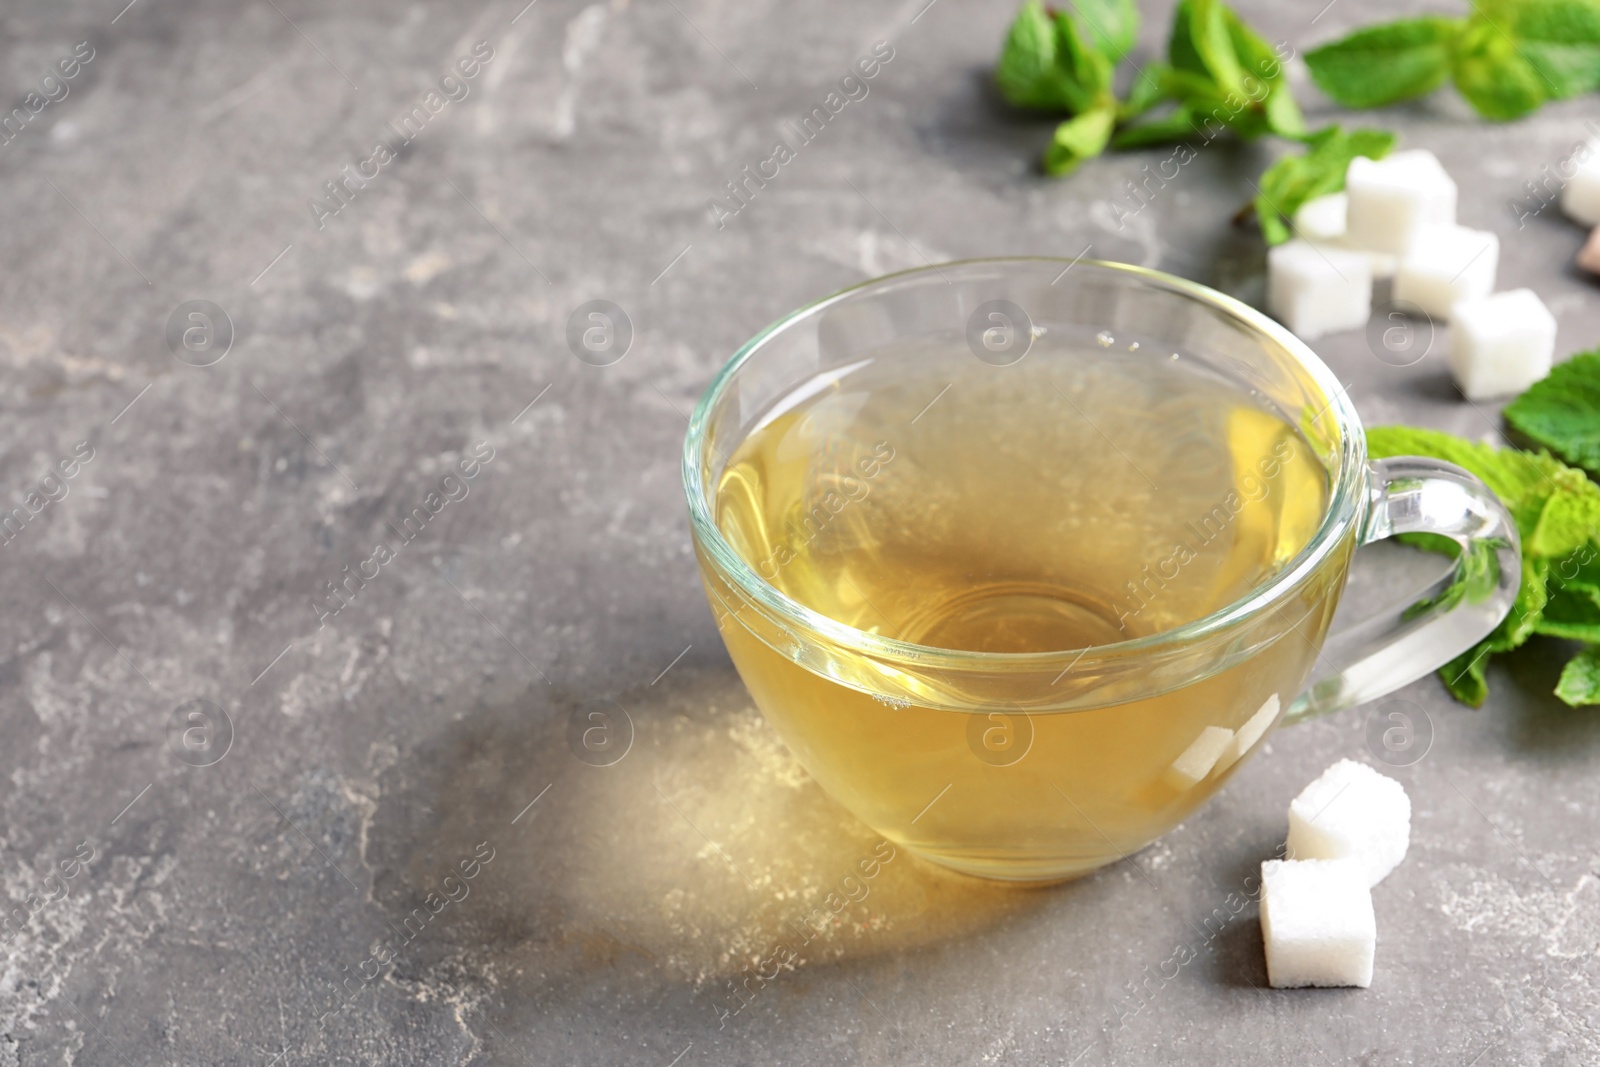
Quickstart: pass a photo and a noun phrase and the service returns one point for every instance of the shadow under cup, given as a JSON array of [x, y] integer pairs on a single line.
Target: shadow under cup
[[1040, 766]]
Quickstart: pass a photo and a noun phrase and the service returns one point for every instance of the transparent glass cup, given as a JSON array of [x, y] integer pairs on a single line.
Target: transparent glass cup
[[1040, 766]]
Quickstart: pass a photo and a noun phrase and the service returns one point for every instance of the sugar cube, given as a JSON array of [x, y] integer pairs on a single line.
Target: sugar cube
[[1580, 197], [1315, 290], [1246, 736], [1352, 813], [1446, 265], [1196, 761], [1502, 344], [1322, 218], [1317, 923], [1392, 199]]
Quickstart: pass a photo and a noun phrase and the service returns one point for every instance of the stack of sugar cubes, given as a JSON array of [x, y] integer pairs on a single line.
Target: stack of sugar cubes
[[1347, 831], [1397, 219]]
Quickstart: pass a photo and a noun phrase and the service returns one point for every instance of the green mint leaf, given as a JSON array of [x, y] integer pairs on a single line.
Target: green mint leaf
[[1079, 139], [1226, 75], [1567, 516], [1030, 72], [1465, 678], [1202, 44], [1562, 412], [1580, 679], [1212, 112], [1579, 572], [1570, 614], [1283, 114], [1561, 40], [1466, 675], [1497, 79], [1385, 64], [1091, 70], [1319, 170], [1113, 25], [1263, 72], [1273, 229], [1521, 622]]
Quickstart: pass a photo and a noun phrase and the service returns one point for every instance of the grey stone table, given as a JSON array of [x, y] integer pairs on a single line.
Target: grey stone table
[[239, 815]]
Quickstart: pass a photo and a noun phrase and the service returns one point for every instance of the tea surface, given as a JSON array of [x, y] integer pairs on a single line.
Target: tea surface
[[1069, 500]]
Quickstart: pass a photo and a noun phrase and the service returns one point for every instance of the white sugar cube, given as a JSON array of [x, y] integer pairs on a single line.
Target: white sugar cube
[[1246, 736], [1352, 813], [1392, 199], [1322, 218], [1501, 344], [1317, 923], [1315, 290], [1580, 197], [1196, 761], [1446, 265]]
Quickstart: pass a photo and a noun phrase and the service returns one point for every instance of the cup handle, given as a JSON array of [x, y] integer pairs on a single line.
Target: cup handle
[[1413, 494]]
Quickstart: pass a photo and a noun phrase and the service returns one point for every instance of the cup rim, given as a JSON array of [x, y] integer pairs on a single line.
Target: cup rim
[[1344, 498]]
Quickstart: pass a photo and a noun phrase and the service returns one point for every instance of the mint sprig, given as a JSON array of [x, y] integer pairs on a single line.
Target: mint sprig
[[1557, 512], [1319, 170], [1219, 75], [1386, 64], [1507, 57]]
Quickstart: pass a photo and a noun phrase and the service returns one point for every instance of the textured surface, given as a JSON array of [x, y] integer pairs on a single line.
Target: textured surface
[[371, 755]]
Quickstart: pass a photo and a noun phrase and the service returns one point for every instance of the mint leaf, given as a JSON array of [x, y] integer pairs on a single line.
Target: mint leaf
[[1283, 114], [1570, 614], [1466, 678], [1273, 229], [1078, 139], [1295, 179], [1562, 412], [1113, 25], [1561, 40], [1507, 58], [1202, 44], [1580, 680], [1263, 69], [1226, 75], [1580, 572], [1497, 80], [1032, 72], [1386, 64], [1091, 70], [1563, 513]]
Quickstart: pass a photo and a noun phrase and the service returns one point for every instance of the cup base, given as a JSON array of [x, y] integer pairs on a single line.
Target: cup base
[[1018, 617], [1011, 872]]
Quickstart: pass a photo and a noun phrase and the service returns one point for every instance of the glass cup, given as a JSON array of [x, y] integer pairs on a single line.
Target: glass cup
[[1039, 766]]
